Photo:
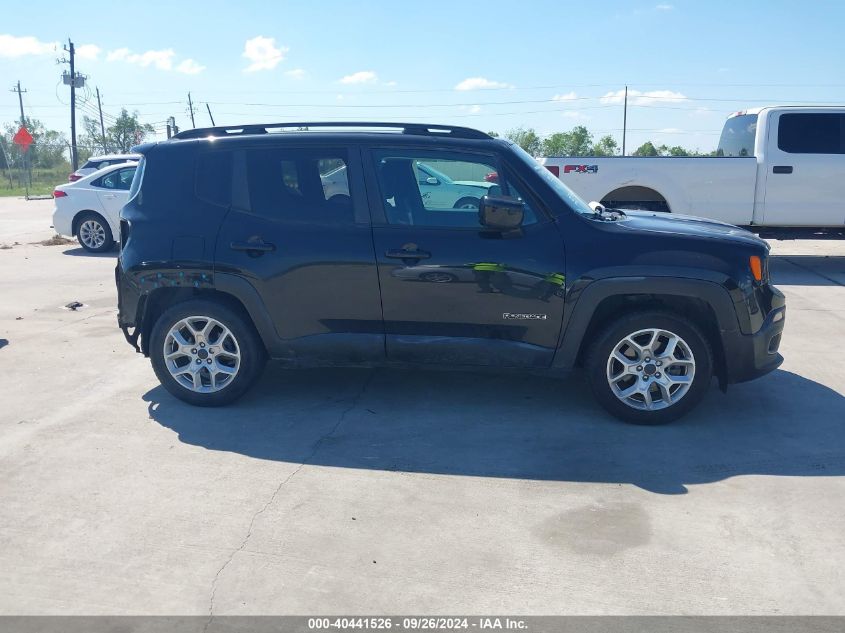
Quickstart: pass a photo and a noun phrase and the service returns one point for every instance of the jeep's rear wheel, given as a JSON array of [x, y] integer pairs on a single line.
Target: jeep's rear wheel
[[650, 368], [205, 353]]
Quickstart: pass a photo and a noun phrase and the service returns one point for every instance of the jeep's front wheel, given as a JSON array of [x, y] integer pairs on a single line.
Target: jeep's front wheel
[[205, 353], [650, 367]]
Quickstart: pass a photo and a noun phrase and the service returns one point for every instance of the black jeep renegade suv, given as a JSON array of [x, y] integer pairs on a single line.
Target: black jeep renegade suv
[[388, 244]]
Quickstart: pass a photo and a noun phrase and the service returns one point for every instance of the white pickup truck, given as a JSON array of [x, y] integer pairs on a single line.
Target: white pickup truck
[[776, 167]]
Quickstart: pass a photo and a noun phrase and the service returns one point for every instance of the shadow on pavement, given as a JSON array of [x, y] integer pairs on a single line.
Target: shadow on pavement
[[808, 270], [81, 252], [524, 427]]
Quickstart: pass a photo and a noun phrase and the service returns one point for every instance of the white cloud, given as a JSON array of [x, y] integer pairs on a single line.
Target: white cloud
[[636, 97], [392, 83], [190, 67], [296, 73], [88, 51], [161, 59], [670, 130], [569, 96], [361, 77], [263, 53], [480, 83], [117, 55], [664, 7], [11, 46], [472, 109]]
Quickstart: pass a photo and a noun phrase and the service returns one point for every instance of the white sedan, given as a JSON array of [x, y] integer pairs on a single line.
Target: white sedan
[[439, 191], [89, 208]]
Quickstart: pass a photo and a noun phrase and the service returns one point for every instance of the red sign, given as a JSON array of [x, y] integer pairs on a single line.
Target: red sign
[[23, 138]]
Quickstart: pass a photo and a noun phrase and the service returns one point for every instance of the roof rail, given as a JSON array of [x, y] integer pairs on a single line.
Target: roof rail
[[417, 129]]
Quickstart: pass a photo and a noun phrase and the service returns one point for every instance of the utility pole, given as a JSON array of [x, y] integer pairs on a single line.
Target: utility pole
[[102, 127], [625, 121], [26, 175], [191, 109], [74, 158], [74, 80], [209, 114], [20, 101]]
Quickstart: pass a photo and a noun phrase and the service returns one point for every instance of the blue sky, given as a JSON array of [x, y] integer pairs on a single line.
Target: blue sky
[[490, 64]]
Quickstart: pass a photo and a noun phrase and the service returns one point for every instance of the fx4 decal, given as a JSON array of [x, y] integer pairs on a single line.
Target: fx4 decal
[[581, 169]]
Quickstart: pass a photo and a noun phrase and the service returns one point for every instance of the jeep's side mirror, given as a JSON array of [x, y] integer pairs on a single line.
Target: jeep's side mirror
[[500, 213]]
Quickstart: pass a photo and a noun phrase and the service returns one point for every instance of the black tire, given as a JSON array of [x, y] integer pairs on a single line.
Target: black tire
[[252, 352], [598, 358], [467, 201], [108, 242]]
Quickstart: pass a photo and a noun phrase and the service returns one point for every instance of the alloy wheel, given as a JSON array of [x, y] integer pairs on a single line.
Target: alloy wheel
[[92, 234], [651, 369], [201, 354]]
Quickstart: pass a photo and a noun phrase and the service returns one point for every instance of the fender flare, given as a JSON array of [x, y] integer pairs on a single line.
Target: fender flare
[[581, 314], [242, 290]]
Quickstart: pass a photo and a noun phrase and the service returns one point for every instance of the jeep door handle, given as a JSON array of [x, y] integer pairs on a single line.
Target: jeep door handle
[[401, 253], [109, 196], [256, 247], [782, 169]]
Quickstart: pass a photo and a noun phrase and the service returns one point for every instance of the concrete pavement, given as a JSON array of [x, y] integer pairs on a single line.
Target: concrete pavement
[[359, 491]]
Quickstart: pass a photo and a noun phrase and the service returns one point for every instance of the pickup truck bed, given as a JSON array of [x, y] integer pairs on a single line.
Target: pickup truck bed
[[716, 188]]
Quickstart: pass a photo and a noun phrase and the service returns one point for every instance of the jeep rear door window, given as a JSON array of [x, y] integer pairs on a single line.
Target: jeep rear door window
[[438, 190], [812, 133], [299, 185]]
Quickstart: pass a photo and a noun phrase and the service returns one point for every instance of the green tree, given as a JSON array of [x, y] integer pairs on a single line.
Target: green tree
[[577, 142], [646, 149], [127, 131], [47, 150], [527, 139], [606, 146], [91, 141], [675, 150]]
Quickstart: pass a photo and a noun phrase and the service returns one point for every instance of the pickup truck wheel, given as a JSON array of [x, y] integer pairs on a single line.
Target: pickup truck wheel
[[650, 367], [205, 354], [94, 234]]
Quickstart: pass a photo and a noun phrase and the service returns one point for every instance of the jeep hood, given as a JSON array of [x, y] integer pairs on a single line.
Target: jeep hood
[[687, 225]]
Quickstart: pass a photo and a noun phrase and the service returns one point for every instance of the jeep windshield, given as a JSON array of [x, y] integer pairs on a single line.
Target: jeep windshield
[[568, 196]]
